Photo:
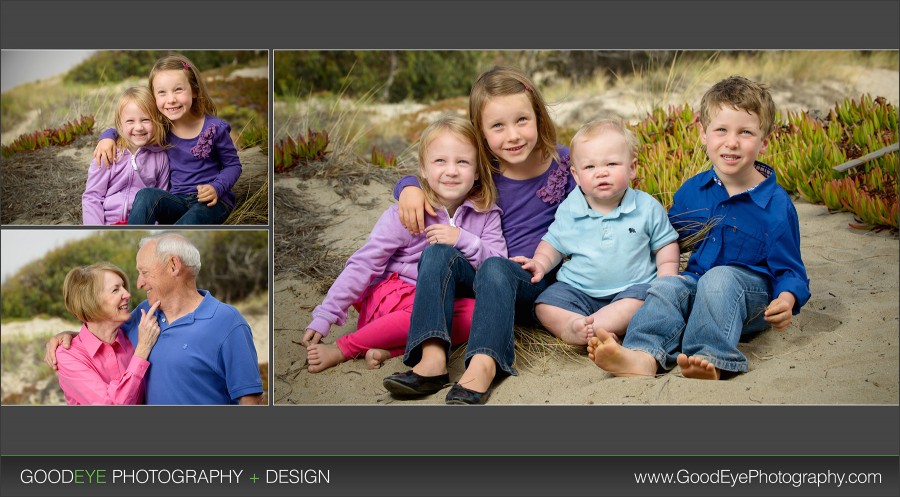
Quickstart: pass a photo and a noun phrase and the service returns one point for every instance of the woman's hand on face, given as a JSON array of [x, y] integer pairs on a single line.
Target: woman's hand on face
[[105, 152], [148, 332]]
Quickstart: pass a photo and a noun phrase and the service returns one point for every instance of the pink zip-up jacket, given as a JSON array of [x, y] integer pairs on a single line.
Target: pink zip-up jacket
[[392, 249], [110, 192]]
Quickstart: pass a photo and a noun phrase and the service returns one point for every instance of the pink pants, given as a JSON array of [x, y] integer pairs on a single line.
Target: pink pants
[[384, 320]]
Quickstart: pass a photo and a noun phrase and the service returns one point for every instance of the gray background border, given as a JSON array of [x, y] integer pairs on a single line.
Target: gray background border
[[341, 24]]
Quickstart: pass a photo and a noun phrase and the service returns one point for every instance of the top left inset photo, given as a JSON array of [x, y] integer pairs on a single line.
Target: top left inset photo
[[140, 137]]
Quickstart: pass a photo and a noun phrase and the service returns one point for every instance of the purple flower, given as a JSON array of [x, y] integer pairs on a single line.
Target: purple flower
[[204, 143], [555, 189]]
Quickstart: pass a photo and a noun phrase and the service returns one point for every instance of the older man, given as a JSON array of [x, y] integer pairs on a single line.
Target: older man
[[205, 352]]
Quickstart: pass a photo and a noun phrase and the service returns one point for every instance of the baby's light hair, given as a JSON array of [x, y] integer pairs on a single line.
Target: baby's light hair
[[143, 98], [202, 104], [483, 193], [173, 244], [739, 93], [601, 126], [502, 81], [82, 288]]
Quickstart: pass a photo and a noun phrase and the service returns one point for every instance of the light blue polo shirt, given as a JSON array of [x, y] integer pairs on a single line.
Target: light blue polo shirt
[[204, 357], [609, 253]]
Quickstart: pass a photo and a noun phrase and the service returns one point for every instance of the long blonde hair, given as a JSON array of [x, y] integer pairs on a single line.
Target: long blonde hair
[[143, 98], [483, 193]]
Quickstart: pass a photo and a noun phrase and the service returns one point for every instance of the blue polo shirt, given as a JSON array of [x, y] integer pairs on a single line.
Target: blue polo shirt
[[757, 229], [609, 252], [204, 357]]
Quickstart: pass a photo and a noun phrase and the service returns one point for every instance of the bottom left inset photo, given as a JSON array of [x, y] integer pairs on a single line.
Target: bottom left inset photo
[[135, 317]]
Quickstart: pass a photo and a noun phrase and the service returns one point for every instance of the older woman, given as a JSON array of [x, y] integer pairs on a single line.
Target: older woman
[[102, 366]]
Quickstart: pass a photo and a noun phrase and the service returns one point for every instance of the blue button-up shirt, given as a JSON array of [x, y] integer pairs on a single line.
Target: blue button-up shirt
[[757, 229]]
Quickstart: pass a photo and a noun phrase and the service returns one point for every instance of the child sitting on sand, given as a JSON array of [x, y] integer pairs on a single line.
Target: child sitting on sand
[[617, 240], [750, 255], [379, 279]]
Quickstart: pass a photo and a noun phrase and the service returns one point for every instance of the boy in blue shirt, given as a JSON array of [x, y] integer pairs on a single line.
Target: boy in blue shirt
[[745, 275], [617, 240]]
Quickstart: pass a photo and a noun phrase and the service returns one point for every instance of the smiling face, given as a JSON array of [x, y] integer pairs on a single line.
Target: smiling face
[[733, 141], [114, 298], [450, 168], [173, 94], [509, 126], [152, 275], [137, 125], [603, 166]]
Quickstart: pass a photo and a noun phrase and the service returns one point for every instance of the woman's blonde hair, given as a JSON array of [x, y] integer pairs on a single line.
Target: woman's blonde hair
[[143, 98], [503, 81], [202, 104], [483, 193], [83, 287]]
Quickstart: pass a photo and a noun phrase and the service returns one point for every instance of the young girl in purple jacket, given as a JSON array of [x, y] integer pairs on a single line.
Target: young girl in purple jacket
[[141, 163], [202, 157], [379, 279]]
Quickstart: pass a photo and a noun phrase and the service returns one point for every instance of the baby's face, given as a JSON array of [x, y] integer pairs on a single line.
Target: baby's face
[[137, 126], [603, 166]]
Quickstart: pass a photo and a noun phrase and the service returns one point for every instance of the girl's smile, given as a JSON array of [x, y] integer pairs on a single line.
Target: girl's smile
[[173, 94], [510, 128]]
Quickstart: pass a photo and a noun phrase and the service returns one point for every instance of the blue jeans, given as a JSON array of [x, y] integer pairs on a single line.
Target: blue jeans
[[704, 317], [152, 206], [503, 291]]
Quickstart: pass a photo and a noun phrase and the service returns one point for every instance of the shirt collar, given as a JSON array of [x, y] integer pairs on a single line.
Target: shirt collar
[[760, 193], [92, 344], [580, 208]]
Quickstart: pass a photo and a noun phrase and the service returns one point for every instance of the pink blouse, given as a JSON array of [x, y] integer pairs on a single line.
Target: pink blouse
[[94, 372]]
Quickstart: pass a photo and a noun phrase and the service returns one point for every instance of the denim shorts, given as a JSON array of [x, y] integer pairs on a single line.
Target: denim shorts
[[565, 296]]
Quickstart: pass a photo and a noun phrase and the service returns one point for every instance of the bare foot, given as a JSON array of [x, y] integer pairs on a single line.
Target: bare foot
[[321, 357], [480, 373], [376, 357], [579, 331], [697, 368], [606, 352]]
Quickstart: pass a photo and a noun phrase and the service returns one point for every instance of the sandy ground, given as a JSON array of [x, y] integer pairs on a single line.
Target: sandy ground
[[841, 349]]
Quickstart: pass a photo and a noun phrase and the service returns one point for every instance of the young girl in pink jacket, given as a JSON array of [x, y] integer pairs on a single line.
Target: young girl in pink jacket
[[141, 163], [379, 279]]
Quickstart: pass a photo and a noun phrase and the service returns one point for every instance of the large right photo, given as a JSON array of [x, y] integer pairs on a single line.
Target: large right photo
[[585, 227]]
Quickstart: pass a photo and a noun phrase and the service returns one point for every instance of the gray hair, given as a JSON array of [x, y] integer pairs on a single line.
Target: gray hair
[[175, 245]]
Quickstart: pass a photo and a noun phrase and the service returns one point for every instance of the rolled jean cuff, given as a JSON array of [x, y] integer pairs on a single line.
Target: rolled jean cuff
[[501, 366], [659, 355], [732, 366]]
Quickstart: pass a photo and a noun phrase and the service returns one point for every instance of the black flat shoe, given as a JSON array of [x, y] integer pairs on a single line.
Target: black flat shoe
[[460, 395], [410, 383]]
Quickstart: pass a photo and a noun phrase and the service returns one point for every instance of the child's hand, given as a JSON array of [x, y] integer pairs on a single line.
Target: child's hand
[[442, 233], [105, 152], [779, 311], [207, 194], [63, 340], [532, 266], [412, 207], [311, 337]]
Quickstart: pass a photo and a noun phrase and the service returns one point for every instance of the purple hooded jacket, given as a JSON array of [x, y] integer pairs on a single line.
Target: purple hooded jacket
[[110, 192], [392, 249]]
